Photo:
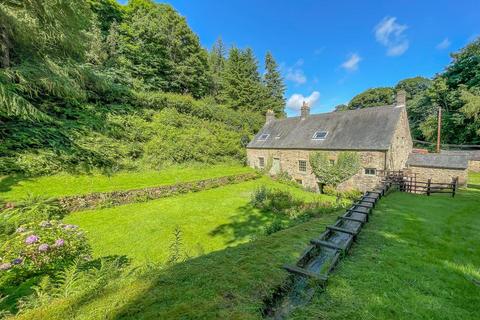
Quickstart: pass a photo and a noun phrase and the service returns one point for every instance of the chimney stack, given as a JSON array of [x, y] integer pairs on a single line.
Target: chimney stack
[[270, 116], [400, 98], [305, 110]]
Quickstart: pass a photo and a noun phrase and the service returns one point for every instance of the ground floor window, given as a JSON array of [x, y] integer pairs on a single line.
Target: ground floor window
[[261, 162], [302, 165], [370, 171], [299, 181]]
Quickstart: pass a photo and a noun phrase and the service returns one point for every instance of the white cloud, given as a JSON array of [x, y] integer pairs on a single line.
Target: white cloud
[[351, 64], [444, 44], [296, 100], [390, 34], [295, 73]]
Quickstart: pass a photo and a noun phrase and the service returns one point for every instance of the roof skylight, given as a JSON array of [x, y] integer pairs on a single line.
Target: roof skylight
[[320, 135], [263, 137]]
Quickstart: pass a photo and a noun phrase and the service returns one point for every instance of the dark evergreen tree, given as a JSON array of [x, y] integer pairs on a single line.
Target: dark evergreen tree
[[274, 86], [217, 62]]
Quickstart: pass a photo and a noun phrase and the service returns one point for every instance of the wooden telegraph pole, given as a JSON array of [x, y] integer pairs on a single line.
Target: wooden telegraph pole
[[439, 128]]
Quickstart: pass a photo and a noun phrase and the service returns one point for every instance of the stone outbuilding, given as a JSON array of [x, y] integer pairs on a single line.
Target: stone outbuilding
[[473, 157], [440, 168], [380, 136]]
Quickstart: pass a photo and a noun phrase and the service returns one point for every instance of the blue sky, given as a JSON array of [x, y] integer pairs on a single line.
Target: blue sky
[[329, 51]]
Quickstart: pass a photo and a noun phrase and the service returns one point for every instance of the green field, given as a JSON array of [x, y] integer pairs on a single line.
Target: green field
[[414, 260], [474, 179], [17, 187], [209, 220]]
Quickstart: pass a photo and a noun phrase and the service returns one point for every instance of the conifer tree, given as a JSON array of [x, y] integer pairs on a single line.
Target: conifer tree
[[274, 86], [217, 65]]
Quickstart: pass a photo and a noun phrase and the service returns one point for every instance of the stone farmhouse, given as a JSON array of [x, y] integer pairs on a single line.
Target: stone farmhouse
[[380, 136]]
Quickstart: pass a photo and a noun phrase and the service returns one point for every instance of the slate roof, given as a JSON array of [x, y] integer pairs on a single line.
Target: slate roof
[[435, 160], [363, 129], [470, 154]]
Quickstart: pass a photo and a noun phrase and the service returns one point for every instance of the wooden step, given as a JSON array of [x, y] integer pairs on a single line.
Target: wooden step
[[326, 244], [305, 272], [362, 205], [333, 228]]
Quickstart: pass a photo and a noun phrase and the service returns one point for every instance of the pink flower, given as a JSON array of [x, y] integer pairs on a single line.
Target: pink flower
[[31, 239], [59, 242], [43, 247]]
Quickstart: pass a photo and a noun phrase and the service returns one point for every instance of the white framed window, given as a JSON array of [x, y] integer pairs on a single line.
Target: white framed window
[[302, 165], [370, 171], [261, 162], [263, 137], [320, 135]]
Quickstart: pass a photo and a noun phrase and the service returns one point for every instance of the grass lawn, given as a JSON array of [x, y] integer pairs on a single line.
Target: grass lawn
[[418, 258], [474, 179], [414, 260], [209, 220], [15, 187]]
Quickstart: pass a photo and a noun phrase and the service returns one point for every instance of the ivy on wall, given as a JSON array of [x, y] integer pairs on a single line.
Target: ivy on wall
[[332, 174]]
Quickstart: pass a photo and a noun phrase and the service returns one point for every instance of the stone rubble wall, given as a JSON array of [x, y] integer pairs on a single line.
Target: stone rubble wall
[[438, 175], [474, 165], [401, 144], [114, 198], [289, 163]]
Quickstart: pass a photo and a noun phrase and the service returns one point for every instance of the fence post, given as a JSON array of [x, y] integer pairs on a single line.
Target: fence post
[[428, 186], [455, 181]]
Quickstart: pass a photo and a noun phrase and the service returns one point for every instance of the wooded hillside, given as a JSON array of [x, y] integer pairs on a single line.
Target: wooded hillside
[[94, 85]]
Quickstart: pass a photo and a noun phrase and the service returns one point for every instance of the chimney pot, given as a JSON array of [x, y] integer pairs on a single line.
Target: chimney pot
[[305, 110], [270, 116], [400, 98]]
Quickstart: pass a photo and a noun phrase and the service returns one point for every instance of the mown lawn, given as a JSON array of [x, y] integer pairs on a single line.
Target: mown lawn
[[474, 179], [17, 187], [414, 260], [209, 220], [418, 258]]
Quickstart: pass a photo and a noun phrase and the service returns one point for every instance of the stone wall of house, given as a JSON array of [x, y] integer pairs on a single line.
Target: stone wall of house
[[438, 175], [289, 163], [474, 165], [401, 144]]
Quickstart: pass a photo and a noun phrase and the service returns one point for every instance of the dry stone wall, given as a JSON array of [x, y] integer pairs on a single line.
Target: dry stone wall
[[106, 199]]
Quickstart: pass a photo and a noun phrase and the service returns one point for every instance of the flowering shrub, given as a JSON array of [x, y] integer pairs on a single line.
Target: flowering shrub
[[29, 210], [42, 247]]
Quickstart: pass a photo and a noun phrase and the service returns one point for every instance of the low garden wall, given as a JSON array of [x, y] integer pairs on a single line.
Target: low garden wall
[[107, 199]]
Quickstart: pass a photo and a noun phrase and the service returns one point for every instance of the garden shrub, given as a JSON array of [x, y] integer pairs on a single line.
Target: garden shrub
[[347, 165], [38, 248], [348, 194], [30, 209]]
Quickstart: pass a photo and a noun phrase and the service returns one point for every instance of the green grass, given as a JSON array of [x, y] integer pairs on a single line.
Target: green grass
[[209, 220], [416, 259], [16, 187], [474, 179]]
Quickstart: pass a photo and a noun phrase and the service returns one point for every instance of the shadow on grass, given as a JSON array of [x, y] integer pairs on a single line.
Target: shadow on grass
[[247, 222], [7, 182]]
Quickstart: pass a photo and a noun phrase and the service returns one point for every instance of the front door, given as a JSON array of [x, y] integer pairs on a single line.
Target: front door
[[275, 166]]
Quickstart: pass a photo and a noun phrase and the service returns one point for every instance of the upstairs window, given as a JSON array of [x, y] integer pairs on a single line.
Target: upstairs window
[[370, 171], [263, 137], [320, 135], [261, 162], [302, 165]]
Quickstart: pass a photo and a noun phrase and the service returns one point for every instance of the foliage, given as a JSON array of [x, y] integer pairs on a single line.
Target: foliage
[[346, 165], [38, 248], [373, 97], [348, 194], [274, 86], [274, 200], [32, 209]]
